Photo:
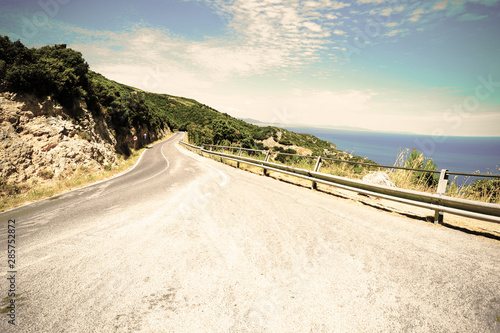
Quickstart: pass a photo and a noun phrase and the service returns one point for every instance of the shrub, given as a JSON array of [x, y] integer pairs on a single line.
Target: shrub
[[487, 189], [285, 142], [84, 135], [416, 160], [46, 174]]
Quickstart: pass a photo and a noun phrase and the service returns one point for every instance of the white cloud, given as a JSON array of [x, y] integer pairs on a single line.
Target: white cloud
[[332, 107], [311, 4], [386, 12], [337, 5], [418, 11], [382, 111], [396, 32], [393, 33], [264, 38], [312, 26], [371, 1], [392, 24], [440, 5], [415, 16]]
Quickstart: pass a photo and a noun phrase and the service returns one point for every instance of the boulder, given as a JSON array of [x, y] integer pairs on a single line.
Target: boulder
[[379, 178]]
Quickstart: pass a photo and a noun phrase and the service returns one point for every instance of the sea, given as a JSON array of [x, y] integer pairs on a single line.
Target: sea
[[455, 153]]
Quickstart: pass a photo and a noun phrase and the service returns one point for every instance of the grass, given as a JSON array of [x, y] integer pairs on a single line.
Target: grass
[[405, 178], [483, 190], [12, 196], [5, 302]]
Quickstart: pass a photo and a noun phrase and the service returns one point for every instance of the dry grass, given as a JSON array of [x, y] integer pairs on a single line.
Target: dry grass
[[18, 195], [405, 178]]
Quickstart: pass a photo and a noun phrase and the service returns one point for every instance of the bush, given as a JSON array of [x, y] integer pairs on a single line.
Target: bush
[[487, 189], [48, 71], [84, 135], [416, 160], [46, 174], [285, 142]]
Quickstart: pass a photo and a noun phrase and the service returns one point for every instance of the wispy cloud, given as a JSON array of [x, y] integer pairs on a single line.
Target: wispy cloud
[[415, 15], [471, 17], [440, 5], [370, 1]]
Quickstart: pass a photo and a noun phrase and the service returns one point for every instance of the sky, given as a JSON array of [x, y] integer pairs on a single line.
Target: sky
[[424, 67]]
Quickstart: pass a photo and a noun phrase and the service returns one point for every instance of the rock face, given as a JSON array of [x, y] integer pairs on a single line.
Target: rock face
[[269, 142], [38, 141], [379, 178]]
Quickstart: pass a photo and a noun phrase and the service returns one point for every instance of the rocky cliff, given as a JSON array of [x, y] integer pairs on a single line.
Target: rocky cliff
[[39, 140]]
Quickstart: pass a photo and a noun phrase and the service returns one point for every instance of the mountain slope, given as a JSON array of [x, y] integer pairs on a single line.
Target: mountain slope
[[63, 74]]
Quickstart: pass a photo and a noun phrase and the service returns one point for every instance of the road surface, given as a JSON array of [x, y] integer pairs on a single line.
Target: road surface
[[185, 244]]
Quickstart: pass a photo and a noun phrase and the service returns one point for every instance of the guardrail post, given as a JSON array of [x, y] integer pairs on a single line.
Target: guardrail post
[[238, 162], [441, 190], [314, 185], [265, 160], [223, 153], [239, 153]]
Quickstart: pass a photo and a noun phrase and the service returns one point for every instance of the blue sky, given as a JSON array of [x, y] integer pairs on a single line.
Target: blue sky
[[426, 67]]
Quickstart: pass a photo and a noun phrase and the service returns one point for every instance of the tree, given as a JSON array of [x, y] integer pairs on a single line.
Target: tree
[[416, 160], [223, 132], [247, 143]]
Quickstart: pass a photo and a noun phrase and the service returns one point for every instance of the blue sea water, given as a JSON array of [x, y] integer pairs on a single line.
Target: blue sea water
[[457, 154]]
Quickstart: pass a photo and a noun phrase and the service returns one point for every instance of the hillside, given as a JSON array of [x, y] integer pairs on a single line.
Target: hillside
[[53, 107]]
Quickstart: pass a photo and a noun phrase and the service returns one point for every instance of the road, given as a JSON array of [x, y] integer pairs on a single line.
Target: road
[[186, 244]]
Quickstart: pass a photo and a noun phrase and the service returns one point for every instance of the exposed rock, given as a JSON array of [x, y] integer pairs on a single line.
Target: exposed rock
[[269, 142], [379, 178], [35, 136]]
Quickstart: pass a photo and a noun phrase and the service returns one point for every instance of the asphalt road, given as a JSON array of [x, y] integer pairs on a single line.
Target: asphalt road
[[185, 244]]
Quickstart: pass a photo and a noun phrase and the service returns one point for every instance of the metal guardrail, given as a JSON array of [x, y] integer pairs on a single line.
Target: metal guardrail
[[381, 166], [437, 202]]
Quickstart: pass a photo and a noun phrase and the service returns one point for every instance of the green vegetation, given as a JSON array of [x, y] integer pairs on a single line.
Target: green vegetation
[[416, 160], [46, 174], [62, 74], [84, 135], [48, 71], [482, 189]]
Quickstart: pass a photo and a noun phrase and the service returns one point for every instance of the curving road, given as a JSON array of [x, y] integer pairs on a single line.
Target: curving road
[[185, 244]]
